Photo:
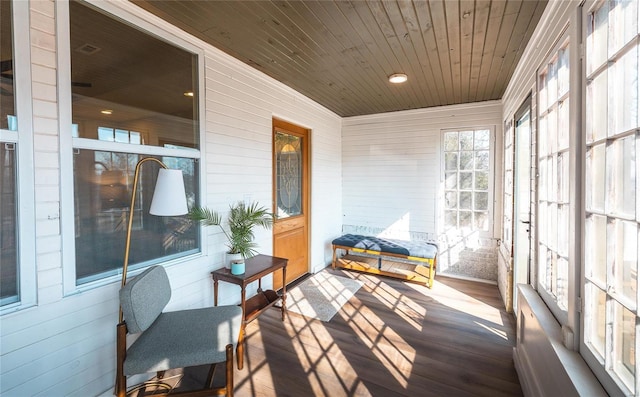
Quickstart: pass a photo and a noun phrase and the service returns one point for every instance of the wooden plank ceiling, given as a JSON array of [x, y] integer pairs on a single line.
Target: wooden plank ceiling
[[339, 53]]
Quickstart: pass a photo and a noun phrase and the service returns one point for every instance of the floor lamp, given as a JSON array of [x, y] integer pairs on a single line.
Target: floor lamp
[[169, 199]]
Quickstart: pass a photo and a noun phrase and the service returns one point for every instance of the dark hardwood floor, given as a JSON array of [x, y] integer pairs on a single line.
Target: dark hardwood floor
[[391, 339]]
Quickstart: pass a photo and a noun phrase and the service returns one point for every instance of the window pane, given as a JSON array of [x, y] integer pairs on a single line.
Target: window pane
[[597, 38], [451, 200], [466, 160], [623, 80], [482, 160], [624, 342], [620, 177], [451, 180], [623, 23], [102, 189], [451, 219], [482, 181], [466, 180], [563, 177], [466, 140], [482, 139], [596, 254], [451, 141], [465, 219], [543, 146], [562, 290], [542, 90], [465, 200], [595, 177], [451, 161], [9, 276], [542, 180], [624, 256], [125, 79], [597, 108], [595, 319], [8, 120], [552, 131], [481, 201], [563, 125], [481, 220], [563, 71]]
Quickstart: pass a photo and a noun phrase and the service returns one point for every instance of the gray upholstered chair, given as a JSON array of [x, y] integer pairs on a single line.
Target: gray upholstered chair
[[176, 339]]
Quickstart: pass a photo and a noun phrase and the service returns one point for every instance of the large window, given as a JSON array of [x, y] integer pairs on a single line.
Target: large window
[[17, 255], [9, 286], [553, 179], [467, 174], [133, 95], [612, 207]]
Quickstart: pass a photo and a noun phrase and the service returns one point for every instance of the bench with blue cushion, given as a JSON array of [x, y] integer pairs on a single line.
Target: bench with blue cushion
[[421, 252]]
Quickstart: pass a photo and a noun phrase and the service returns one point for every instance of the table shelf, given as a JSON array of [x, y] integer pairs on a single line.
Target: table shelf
[[260, 302]]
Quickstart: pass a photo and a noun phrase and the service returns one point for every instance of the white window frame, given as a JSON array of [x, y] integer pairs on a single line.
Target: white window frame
[[562, 315], [23, 137], [612, 386], [153, 26], [488, 234]]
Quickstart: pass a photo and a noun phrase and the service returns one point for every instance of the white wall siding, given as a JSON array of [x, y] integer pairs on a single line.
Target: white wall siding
[[392, 177], [66, 344]]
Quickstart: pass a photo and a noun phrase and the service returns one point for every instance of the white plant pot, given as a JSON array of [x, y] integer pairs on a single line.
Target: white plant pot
[[231, 257]]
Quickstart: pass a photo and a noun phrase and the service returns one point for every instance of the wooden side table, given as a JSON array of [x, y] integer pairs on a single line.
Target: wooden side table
[[255, 268]]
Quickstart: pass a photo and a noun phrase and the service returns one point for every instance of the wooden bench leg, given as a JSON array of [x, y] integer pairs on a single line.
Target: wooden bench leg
[[333, 262]]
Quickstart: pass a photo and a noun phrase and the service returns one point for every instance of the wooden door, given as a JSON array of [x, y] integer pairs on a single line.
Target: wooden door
[[291, 199]]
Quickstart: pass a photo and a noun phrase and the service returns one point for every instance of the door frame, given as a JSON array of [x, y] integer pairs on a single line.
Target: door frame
[[293, 129], [526, 106]]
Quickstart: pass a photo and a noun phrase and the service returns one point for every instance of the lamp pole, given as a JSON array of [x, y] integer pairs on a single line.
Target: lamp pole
[[173, 208]]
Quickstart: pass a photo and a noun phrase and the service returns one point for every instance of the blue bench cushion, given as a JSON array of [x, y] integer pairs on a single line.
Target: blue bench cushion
[[419, 249]]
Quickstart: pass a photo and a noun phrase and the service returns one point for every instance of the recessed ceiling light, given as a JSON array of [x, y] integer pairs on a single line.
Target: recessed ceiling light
[[106, 111], [188, 93], [397, 78]]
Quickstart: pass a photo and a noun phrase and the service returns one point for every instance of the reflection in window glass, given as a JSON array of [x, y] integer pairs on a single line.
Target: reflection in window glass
[[128, 89], [9, 276], [127, 80], [102, 189], [8, 120]]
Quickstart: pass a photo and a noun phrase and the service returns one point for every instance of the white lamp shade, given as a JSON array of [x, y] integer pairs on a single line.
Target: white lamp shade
[[169, 198]]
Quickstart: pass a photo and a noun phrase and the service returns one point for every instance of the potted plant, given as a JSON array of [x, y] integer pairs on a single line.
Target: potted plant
[[241, 222]]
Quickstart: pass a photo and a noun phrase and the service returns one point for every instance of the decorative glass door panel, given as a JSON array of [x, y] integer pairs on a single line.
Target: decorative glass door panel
[[289, 193]]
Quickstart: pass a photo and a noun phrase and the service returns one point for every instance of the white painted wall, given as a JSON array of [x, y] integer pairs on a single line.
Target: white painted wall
[[65, 345], [392, 177]]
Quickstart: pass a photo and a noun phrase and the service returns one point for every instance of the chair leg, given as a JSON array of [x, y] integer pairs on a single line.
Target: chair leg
[[229, 368], [121, 354]]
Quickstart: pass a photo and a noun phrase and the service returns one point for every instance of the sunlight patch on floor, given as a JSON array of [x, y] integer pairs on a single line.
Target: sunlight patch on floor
[[500, 333], [453, 298], [410, 311], [364, 322]]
